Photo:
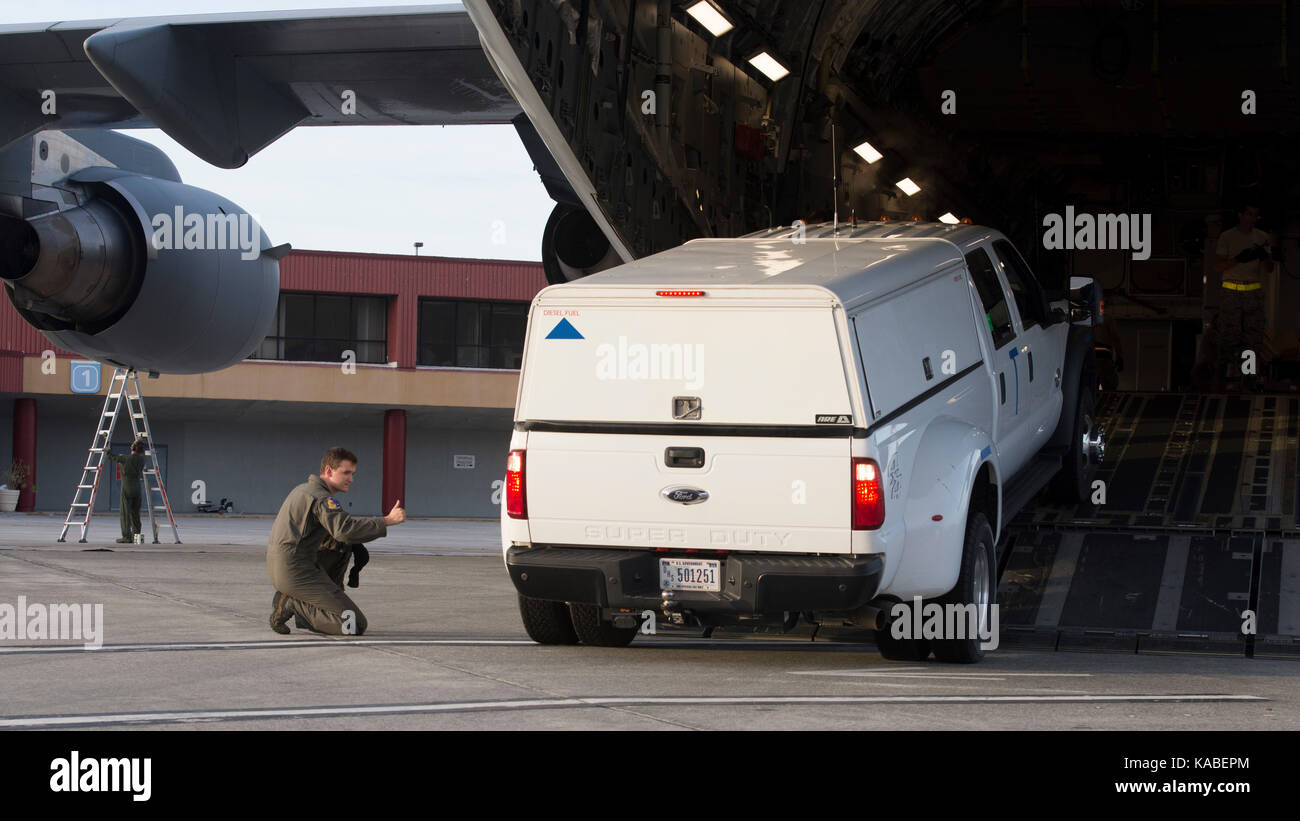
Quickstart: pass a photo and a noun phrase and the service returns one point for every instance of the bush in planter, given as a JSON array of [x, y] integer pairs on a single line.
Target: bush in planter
[[15, 481], [16, 478]]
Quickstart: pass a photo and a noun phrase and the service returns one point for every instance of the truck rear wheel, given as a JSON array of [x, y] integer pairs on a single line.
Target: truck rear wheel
[[547, 622], [594, 630], [977, 584], [901, 649]]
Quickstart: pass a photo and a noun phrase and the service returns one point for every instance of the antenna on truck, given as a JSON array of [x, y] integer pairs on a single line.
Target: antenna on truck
[[835, 183]]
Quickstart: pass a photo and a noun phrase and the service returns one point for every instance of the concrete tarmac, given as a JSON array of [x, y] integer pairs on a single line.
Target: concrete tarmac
[[186, 645]]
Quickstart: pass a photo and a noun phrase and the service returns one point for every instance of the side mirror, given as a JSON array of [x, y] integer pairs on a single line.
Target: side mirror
[[1085, 301]]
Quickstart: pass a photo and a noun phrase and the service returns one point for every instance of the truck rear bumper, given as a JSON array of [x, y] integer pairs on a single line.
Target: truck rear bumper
[[751, 583]]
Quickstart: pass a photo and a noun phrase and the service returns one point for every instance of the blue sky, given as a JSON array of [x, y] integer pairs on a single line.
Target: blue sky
[[375, 189]]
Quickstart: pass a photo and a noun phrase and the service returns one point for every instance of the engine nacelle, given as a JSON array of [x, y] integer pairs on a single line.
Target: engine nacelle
[[145, 273], [573, 246]]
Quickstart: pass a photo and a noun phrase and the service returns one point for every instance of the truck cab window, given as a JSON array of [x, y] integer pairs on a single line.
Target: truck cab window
[[1024, 287], [994, 300]]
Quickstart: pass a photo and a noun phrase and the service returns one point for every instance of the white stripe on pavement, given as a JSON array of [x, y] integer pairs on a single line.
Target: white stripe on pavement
[[541, 703], [243, 645]]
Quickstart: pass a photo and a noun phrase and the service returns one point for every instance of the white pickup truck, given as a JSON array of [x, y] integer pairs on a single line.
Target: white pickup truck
[[740, 433]]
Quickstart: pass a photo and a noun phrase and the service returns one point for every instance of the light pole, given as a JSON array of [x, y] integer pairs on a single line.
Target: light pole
[[418, 246]]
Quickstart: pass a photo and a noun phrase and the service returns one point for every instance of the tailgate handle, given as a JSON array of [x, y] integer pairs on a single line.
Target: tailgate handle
[[684, 457]]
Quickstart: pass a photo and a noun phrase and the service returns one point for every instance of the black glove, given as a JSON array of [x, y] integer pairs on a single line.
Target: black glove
[[1247, 255], [1278, 255], [360, 558]]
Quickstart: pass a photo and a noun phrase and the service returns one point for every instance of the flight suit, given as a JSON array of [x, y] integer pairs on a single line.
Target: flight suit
[[132, 472], [1242, 309], [331, 557], [310, 520]]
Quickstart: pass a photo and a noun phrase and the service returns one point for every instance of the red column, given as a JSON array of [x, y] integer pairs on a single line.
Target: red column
[[25, 446], [394, 458]]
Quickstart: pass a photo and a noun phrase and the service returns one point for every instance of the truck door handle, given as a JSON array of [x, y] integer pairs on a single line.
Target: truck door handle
[[1030, 355], [684, 457], [1002, 384]]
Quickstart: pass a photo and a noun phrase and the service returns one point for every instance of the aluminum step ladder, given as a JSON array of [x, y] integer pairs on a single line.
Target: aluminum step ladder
[[124, 387]]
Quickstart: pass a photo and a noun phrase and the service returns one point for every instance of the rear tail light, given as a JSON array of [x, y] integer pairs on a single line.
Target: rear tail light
[[679, 293], [516, 498], [868, 495]]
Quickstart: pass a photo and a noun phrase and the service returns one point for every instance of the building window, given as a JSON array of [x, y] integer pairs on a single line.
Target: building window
[[463, 334], [320, 327]]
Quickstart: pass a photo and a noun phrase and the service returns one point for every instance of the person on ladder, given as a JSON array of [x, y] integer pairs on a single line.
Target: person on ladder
[[132, 471]]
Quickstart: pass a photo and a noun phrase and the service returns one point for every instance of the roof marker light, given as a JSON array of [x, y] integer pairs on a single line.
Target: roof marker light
[[709, 17]]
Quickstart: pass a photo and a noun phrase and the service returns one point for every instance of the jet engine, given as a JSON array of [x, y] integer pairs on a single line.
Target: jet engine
[[573, 246], [143, 272]]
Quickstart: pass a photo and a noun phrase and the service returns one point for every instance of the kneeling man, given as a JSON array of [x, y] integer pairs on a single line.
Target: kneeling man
[[310, 518]]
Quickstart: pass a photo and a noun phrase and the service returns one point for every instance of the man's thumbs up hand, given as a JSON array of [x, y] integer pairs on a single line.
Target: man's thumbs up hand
[[397, 515]]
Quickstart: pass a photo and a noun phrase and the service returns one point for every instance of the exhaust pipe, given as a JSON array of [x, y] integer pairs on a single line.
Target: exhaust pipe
[[871, 615]]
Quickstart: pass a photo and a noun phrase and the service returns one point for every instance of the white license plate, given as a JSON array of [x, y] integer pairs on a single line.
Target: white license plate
[[690, 574]]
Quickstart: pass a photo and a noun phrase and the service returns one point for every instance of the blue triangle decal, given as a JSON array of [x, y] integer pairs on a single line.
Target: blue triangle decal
[[564, 330]]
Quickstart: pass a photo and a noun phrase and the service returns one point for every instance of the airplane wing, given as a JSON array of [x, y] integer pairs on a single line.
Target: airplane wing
[[227, 85]]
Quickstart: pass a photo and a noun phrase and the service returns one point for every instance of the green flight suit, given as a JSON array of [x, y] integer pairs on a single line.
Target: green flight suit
[[332, 557], [132, 473], [311, 520]]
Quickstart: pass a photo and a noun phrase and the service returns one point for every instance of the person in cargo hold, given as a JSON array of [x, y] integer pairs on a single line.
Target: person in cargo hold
[[312, 525]]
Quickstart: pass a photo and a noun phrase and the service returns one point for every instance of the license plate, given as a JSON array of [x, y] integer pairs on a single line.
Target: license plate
[[690, 574]]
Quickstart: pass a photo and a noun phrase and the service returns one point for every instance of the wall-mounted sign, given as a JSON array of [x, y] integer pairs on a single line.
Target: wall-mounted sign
[[84, 376]]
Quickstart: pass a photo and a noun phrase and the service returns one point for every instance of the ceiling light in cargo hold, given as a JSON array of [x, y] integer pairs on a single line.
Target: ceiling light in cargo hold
[[765, 63], [949, 219], [710, 18], [909, 187], [868, 152], [679, 293]]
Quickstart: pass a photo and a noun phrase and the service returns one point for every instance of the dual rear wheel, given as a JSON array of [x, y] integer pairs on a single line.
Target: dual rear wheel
[[555, 622], [977, 586]]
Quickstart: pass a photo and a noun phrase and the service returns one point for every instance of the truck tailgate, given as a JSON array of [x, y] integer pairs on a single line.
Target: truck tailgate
[[779, 494]]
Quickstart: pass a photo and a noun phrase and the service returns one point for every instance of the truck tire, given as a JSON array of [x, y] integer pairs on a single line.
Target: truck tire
[[977, 584], [901, 649], [595, 631], [547, 622], [1073, 484]]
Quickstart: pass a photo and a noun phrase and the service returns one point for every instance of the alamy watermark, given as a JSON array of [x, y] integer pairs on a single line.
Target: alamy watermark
[[677, 362], [206, 232], [77, 774], [1098, 232], [917, 620], [40, 622]]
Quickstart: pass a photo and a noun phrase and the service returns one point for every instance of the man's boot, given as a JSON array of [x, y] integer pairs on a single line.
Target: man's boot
[[281, 610]]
